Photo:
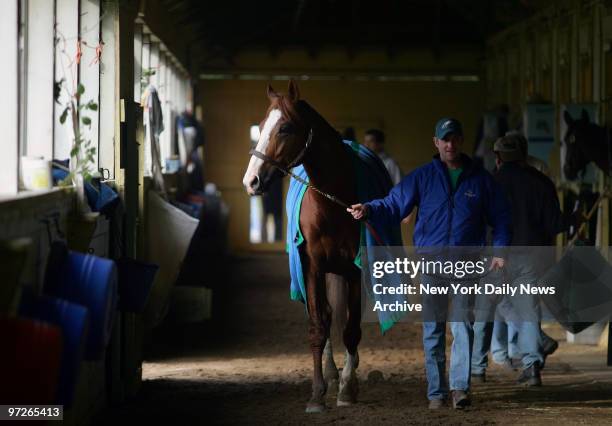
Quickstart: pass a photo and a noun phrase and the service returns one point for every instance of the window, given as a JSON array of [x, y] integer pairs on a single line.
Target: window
[[137, 61], [156, 65], [75, 42], [67, 36], [164, 141], [44, 42], [9, 118], [39, 123], [77, 62], [22, 64], [109, 98], [89, 69]]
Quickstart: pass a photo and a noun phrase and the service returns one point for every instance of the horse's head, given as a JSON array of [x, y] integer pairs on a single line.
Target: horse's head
[[576, 138], [282, 141]]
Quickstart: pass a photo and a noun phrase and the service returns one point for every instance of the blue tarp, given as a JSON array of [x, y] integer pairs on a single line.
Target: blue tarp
[[373, 182]]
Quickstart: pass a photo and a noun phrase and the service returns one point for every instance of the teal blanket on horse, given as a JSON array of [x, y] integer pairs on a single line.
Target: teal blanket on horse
[[373, 181]]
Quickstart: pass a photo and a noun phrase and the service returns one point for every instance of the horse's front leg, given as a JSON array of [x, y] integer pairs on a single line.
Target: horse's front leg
[[319, 324], [349, 386], [337, 296]]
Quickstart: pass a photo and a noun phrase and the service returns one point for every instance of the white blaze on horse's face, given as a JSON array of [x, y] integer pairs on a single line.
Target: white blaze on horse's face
[[251, 177]]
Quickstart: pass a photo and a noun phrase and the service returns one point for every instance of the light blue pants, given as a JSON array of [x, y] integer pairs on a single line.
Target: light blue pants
[[499, 337], [503, 342], [516, 332], [434, 345]]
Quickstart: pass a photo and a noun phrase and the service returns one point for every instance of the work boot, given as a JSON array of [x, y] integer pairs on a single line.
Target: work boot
[[436, 404], [531, 376], [509, 364], [460, 399], [550, 347], [516, 364]]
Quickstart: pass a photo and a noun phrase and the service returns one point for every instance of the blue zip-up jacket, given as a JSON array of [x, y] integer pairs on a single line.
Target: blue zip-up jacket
[[444, 217]]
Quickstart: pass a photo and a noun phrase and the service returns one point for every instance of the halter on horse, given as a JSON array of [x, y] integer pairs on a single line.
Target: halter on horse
[[293, 133]]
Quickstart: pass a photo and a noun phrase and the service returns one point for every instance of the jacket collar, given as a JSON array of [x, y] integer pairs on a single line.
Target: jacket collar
[[466, 163]]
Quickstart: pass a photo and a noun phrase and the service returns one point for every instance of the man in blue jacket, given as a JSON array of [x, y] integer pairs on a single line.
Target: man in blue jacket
[[456, 201]]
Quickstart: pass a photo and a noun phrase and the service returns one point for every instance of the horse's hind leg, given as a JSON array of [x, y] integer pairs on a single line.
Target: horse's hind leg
[[319, 324], [349, 386]]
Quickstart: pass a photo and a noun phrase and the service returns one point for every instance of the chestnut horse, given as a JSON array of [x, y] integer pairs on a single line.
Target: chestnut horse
[[293, 133]]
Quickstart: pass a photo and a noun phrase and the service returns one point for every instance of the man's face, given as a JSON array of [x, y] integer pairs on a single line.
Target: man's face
[[449, 147], [370, 142]]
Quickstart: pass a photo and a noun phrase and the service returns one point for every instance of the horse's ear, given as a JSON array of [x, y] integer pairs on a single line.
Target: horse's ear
[[271, 93], [293, 93], [568, 118], [585, 116]]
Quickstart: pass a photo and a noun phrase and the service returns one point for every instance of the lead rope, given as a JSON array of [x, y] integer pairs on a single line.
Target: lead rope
[[334, 199], [330, 197]]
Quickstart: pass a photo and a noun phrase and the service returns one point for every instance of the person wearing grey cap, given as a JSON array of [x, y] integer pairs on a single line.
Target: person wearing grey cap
[[457, 199], [536, 219], [532, 161]]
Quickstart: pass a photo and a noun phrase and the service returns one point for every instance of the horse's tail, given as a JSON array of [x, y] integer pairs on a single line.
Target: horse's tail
[[337, 297]]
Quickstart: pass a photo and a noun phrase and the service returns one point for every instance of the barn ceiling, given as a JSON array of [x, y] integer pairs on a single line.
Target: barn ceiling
[[223, 28]]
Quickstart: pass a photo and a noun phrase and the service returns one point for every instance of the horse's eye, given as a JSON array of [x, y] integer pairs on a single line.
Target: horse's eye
[[285, 128]]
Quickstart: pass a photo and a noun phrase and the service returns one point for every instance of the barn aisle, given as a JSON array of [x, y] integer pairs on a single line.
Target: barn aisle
[[254, 368]]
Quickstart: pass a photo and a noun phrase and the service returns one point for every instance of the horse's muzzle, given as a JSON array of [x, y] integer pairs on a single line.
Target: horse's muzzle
[[253, 185]]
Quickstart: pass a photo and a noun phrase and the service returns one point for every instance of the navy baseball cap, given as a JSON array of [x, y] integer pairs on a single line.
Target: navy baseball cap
[[448, 125]]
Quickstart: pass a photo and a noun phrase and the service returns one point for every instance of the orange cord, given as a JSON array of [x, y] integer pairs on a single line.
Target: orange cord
[[99, 49]]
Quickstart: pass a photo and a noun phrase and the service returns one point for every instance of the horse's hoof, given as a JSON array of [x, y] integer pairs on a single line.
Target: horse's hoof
[[341, 403], [347, 392], [315, 407]]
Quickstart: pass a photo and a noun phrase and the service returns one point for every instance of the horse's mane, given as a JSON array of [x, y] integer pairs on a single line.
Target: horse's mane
[[286, 108]]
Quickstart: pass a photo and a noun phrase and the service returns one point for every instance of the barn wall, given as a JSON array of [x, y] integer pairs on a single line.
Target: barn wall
[[559, 56], [405, 110]]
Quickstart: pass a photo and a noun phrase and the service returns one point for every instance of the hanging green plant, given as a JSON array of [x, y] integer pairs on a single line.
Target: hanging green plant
[[78, 110], [82, 153]]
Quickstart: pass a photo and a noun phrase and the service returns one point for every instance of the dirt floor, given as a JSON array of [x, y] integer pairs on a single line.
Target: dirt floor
[[253, 367]]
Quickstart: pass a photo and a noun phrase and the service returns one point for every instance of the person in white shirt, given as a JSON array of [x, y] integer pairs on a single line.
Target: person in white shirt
[[375, 140]]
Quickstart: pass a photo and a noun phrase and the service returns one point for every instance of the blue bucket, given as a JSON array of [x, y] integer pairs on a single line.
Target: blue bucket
[[74, 322], [135, 282], [90, 281]]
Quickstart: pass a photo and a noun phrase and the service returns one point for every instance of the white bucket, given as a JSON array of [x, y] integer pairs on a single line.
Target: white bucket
[[35, 173]]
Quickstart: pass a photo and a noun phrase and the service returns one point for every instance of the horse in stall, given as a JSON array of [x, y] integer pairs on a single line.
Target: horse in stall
[[293, 133], [585, 142]]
